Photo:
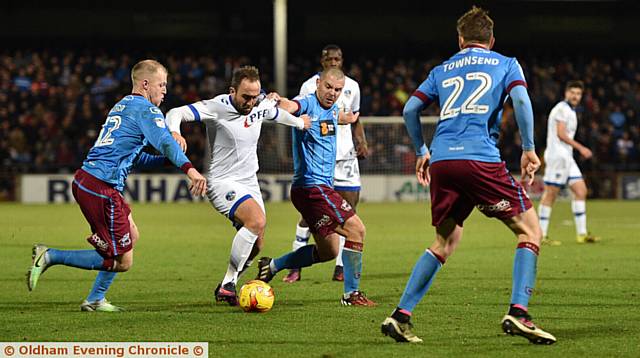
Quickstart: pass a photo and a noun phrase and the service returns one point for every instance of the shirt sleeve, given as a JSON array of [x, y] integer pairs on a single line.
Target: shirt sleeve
[[153, 128], [355, 107], [195, 112], [524, 116], [515, 76], [303, 105], [306, 88], [427, 92], [146, 160], [559, 115]]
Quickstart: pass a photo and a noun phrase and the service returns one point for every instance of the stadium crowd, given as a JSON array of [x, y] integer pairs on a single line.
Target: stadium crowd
[[52, 105]]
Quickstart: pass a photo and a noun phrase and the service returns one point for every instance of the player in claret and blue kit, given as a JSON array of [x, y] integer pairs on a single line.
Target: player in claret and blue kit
[[133, 123], [465, 170], [313, 195]]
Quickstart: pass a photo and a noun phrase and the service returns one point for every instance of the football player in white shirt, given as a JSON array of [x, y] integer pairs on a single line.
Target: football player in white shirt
[[560, 167], [232, 186], [347, 171]]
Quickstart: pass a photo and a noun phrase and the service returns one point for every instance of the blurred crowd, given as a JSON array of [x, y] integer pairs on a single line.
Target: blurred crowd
[[53, 103]]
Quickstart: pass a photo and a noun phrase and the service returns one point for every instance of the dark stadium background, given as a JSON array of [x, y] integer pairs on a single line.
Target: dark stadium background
[[388, 46]]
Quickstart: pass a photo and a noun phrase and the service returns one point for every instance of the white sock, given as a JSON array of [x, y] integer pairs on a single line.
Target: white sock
[[579, 208], [240, 251], [339, 258], [302, 237], [544, 212]]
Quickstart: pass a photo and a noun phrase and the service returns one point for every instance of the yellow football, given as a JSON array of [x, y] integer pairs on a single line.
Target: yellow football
[[256, 296]]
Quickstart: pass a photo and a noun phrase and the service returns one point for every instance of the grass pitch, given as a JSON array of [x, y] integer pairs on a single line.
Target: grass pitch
[[588, 296]]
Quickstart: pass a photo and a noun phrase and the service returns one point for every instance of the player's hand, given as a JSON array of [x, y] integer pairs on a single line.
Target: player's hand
[[198, 185], [307, 121], [422, 170], [529, 164], [585, 152], [274, 96], [362, 148], [347, 117], [181, 141]]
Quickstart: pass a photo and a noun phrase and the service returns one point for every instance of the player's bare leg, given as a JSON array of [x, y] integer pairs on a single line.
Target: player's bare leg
[[579, 208], [398, 325], [253, 220], [352, 197], [518, 321], [354, 231], [544, 211]]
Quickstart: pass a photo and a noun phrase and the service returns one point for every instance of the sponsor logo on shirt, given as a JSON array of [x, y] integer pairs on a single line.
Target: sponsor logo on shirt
[[230, 195], [255, 116], [327, 128], [155, 110]]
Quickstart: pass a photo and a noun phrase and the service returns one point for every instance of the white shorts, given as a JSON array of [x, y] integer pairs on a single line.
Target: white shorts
[[347, 175], [560, 171], [226, 195]]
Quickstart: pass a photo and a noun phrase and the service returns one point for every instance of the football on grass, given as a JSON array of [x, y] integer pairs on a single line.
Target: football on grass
[[256, 296]]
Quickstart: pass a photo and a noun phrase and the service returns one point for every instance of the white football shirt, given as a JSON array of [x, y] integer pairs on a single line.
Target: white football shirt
[[234, 146], [561, 112]]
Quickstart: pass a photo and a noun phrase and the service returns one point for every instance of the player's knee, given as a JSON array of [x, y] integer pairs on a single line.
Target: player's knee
[[360, 232], [549, 197], [580, 194], [123, 266], [536, 235], [124, 263], [356, 230], [328, 253], [257, 225], [533, 234]]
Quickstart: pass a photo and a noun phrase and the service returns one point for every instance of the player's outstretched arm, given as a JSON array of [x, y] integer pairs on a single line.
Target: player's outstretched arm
[[288, 105], [285, 118], [195, 112], [529, 163], [146, 160], [411, 115], [154, 130]]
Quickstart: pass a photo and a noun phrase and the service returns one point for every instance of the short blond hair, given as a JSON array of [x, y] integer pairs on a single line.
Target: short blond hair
[[145, 68]]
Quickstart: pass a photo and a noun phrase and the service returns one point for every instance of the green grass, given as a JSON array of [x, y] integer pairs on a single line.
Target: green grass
[[587, 295]]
